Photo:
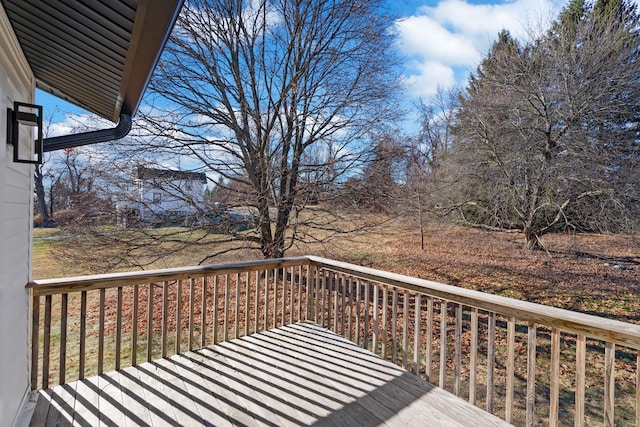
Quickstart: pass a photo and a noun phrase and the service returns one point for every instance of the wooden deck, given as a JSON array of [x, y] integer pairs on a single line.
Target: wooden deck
[[295, 375]]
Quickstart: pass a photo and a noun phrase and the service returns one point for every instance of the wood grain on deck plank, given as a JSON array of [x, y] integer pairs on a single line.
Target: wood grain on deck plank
[[294, 375]]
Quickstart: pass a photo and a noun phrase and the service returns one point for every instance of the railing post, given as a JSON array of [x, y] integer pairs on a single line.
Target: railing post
[[35, 338]]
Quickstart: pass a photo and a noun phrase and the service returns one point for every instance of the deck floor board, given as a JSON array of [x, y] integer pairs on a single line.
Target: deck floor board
[[295, 375]]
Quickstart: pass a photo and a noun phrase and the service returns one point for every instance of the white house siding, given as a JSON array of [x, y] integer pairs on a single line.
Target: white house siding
[[16, 203], [174, 197]]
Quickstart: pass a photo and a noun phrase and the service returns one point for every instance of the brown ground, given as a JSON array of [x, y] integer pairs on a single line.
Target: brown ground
[[595, 274]]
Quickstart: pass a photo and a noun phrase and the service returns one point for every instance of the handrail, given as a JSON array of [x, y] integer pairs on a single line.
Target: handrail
[[614, 331], [112, 280]]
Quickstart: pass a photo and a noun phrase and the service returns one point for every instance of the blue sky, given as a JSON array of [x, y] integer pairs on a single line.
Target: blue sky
[[442, 42]]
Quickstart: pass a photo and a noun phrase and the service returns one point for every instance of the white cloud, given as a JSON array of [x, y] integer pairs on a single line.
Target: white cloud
[[454, 35], [430, 75]]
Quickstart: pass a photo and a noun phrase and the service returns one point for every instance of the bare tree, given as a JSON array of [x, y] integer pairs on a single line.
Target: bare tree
[[546, 133], [277, 97]]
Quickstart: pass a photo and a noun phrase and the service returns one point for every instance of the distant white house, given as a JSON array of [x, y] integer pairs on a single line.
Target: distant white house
[[162, 197]]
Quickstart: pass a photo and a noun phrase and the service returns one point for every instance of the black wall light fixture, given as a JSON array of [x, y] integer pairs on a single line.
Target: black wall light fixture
[[22, 116]]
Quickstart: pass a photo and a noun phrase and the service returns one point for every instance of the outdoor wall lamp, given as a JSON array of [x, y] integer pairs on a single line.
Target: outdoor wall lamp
[[25, 115]]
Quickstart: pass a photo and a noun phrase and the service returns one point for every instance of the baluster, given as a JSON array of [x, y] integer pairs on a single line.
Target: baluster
[[134, 330], [511, 344], [256, 326], [292, 296], [531, 375], [458, 350], [405, 328], [329, 298], [473, 356], [323, 297], [236, 325], [46, 344], [284, 296], [554, 380], [581, 353], [416, 334], [35, 339], [247, 303], [216, 309], [365, 343], [178, 343], [150, 324], [394, 325], [443, 344], [428, 355], [609, 383], [385, 314], [491, 359], [191, 313], [308, 300], [376, 333], [343, 311], [118, 328], [165, 317], [350, 319], [300, 294], [64, 303], [83, 334], [101, 332], [358, 300], [225, 331], [266, 300], [637, 389], [203, 313], [275, 297]]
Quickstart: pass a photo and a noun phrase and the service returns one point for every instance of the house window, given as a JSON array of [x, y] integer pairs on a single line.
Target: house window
[[157, 197]]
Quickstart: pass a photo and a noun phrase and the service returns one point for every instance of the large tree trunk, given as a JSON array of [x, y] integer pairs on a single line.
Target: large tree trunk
[[40, 194]]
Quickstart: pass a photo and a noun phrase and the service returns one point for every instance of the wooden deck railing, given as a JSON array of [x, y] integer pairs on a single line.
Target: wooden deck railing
[[85, 325], [528, 363]]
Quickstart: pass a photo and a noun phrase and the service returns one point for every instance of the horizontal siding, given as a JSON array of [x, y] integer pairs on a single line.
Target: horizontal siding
[[16, 84]]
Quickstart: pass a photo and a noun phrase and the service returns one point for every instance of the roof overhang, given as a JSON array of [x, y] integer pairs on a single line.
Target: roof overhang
[[97, 54]]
